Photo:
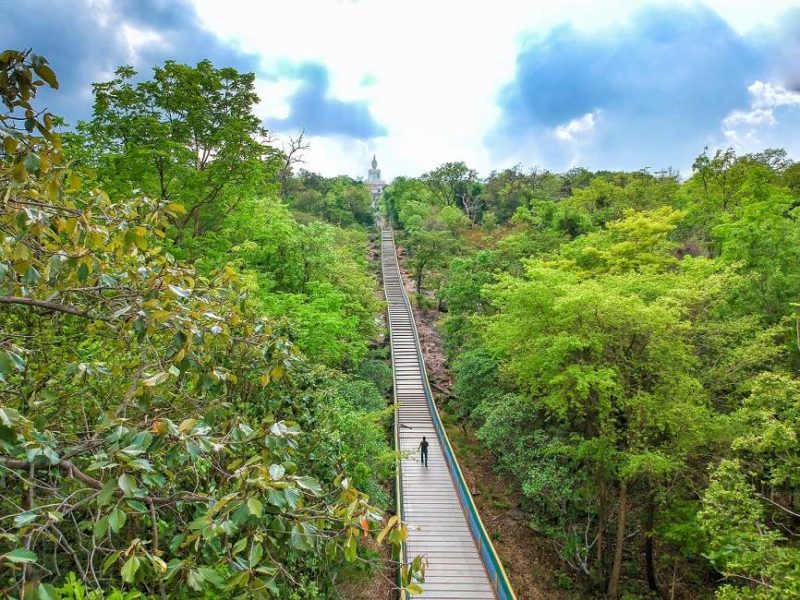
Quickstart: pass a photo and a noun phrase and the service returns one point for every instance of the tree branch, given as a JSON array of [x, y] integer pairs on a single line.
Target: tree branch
[[73, 471], [775, 504], [51, 306]]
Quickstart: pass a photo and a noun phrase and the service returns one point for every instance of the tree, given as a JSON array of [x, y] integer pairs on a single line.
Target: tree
[[601, 200], [187, 136], [741, 544], [749, 512], [427, 249], [763, 238], [292, 156], [639, 242], [407, 202], [456, 184], [610, 372], [510, 189], [146, 440], [792, 178], [348, 202]]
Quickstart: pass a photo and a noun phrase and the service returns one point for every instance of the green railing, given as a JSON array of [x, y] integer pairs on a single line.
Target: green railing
[[494, 567]]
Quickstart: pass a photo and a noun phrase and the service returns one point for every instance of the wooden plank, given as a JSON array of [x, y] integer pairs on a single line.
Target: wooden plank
[[438, 527]]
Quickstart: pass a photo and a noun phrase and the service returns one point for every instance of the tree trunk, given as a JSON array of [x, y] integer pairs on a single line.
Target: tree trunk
[[613, 584], [419, 287], [649, 561], [601, 531]]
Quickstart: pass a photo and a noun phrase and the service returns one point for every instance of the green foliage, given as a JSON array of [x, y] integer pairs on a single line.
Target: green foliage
[[768, 426], [427, 249], [749, 495], [379, 372], [407, 203], [340, 200], [454, 219], [477, 379], [614, 336], [455, 184], [74, 589], [188, 135], [161, 433], [763, 238], [315, 274], [740, 544], [30, 147], [506, 192], [639, 242], [466, 278], [357, 412], [549, 480]]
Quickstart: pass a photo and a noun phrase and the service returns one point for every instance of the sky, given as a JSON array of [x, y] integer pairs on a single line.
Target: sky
[[606, 84]]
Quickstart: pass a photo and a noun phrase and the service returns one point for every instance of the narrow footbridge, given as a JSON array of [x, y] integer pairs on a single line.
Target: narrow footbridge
[[434, 501]]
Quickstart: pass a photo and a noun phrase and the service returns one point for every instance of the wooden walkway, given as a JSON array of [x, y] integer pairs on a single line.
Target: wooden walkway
[[429, 503]]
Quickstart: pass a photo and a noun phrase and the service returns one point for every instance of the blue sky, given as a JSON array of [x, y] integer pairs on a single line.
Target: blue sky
[[603, 84]]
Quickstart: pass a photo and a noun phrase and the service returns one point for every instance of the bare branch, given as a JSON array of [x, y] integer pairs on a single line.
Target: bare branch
[[775, 504], [73, 471], [293, 156], [51, 306]]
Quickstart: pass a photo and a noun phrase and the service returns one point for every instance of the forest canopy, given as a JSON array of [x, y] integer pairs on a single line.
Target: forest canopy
[[627, 346], [191, 400], [195, 388]]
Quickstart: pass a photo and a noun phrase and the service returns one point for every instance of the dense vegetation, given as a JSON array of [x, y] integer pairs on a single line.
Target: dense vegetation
[[628, 347], [190, 401]]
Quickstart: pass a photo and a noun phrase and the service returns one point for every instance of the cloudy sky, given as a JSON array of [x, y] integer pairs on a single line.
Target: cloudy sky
[[602, 84]]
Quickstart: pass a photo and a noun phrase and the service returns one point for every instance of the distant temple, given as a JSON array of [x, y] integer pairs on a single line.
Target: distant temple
[[374, 181]]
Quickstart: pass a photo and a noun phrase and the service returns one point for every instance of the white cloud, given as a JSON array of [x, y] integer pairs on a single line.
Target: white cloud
[[767, 95], [434, 88], [437, 66], [743, 129], [577, 128], [137, 38], [742, 140], [274, 96], [748, 15], [757, 116]]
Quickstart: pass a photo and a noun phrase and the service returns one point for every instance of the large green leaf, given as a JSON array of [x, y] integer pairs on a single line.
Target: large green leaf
[[130, 568], [309, 484], [127, 483], [256, 552], [20, 555], [116, 519], [255, 507]]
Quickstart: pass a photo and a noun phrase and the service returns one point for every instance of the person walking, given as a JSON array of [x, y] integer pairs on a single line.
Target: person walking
[[423, 446]]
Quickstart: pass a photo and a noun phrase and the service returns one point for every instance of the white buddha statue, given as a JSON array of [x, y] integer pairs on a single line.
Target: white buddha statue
[[374, 172]]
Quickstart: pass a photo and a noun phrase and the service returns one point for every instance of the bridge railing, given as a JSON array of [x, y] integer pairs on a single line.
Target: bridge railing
[[398, 476], [491, 561]]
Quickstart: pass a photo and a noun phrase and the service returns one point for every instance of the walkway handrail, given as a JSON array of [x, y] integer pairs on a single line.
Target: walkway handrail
[[491, 561], [398, 476]]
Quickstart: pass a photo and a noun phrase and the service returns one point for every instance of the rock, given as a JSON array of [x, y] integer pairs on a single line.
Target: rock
[[518, 514]]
